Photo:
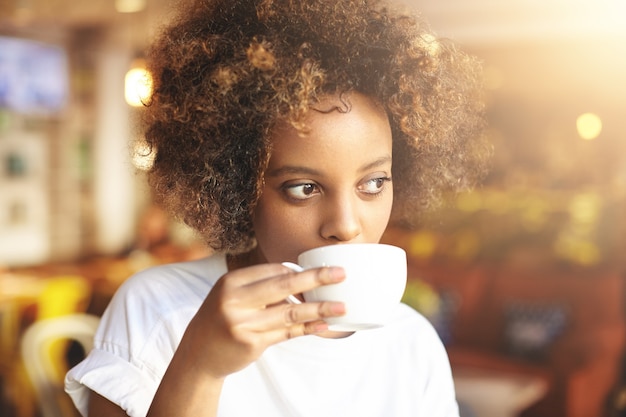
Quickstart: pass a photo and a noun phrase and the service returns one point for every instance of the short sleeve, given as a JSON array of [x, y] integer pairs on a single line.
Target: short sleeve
[[139, 334], [113, 378]]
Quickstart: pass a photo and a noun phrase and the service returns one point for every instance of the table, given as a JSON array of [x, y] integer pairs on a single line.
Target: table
[[491, 393]]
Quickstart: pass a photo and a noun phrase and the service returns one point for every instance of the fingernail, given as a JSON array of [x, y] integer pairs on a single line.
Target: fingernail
[[336, 273], [338, 309], [320, 327]]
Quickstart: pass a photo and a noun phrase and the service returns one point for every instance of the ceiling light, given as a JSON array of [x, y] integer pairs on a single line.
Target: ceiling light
[[137, 84]]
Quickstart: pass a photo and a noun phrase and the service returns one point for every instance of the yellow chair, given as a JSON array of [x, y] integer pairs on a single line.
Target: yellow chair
[[63, 295], [42, 363], [60, 296]]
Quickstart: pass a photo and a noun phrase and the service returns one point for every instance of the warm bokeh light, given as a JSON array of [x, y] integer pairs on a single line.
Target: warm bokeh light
[[585, 208], [423, 244], [589, 126], [137, 86], [129, 6], [465, 244], [142, 155], [469, 202]]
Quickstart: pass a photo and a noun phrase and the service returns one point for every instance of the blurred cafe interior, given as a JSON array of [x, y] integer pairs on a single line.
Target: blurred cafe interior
[[523, 278]]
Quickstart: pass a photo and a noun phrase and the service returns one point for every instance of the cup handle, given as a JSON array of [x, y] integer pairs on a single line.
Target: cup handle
[[291, 299]]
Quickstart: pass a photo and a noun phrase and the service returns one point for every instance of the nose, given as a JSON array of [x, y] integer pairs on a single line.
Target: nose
[[341, 220]]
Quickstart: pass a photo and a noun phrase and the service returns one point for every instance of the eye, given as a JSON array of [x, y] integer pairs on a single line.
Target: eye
[[301, 191], [374, 186]]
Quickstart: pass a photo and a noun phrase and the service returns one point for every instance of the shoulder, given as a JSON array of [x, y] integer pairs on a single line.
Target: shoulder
[[158, 303], [173, 283], [140, 330]]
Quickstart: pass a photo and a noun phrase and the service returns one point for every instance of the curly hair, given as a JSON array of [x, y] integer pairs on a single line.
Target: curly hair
[[226, 71]]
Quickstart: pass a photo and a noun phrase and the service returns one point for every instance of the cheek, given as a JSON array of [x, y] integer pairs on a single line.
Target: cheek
[[375, 217], [382, 216], [282, 232]]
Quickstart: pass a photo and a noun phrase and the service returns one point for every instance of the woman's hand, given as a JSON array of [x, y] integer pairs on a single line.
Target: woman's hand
[[245, 313]]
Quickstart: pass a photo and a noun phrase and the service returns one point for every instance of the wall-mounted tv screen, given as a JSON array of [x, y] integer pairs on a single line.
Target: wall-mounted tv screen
[[33, 76]]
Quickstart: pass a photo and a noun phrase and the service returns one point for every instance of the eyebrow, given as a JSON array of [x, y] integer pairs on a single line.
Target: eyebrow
[[376, 163], [291, 169]]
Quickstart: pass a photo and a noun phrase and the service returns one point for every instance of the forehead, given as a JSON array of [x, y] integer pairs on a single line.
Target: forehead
[[299, 117], [337, 128]]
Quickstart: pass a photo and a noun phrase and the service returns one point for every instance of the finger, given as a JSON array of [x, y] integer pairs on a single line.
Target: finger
[[245, 276], [284, 315], [277, 288], [290, 332]]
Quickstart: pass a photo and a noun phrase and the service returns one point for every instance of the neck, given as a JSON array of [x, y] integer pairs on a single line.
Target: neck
[[245, 259]]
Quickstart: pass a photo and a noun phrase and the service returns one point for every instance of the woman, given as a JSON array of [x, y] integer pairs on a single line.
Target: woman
[[280, 126]]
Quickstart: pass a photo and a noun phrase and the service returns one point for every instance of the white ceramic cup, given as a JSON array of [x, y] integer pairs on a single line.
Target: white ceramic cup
[[374, 284]]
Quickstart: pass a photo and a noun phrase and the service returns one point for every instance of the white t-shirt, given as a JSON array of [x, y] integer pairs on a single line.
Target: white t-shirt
[[397, 370]]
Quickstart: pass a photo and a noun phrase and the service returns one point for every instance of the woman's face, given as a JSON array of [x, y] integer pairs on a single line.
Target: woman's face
[[332, 185]]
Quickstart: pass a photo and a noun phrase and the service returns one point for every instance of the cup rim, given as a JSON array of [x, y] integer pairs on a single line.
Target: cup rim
[[351, 245]]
